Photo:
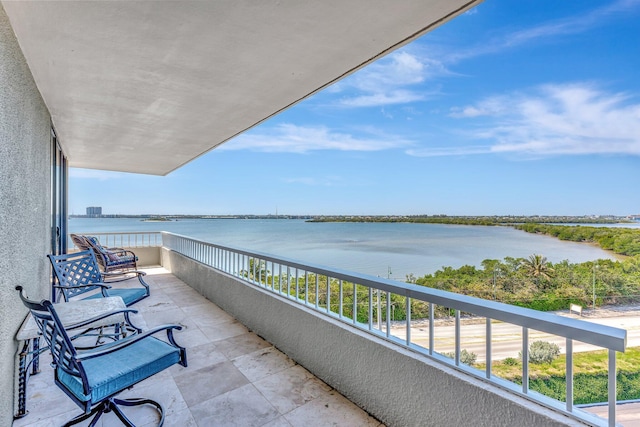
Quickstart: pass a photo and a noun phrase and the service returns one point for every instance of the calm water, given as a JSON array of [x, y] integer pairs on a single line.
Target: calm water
[[370, 248]]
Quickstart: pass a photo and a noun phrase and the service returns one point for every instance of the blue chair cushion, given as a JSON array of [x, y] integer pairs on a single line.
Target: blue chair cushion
[[128, 295], [111, 373], [116, 260]]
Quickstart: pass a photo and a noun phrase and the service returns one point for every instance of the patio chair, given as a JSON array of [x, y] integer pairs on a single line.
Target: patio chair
[[80, 241], [110, 259], [78, 273], [93, 378]]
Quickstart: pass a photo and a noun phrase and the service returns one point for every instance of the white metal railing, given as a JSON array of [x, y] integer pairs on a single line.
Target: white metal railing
[[376, 301], [128, 239]]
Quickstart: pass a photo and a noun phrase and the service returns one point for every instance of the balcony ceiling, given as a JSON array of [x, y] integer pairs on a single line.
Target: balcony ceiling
[[147, 86]]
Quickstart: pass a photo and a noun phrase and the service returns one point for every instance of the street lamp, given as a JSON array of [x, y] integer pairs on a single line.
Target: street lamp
[[594, 285]]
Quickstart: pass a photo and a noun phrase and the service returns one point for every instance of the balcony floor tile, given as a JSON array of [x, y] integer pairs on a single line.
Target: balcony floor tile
[[234, 377]]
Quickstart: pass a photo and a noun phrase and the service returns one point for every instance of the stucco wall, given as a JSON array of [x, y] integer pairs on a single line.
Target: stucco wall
[[147, 256], [399, 387], [25, 203]]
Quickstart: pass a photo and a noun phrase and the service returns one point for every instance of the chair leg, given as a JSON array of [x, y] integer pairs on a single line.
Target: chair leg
[[135, 402], [97, 410], [113, 404]]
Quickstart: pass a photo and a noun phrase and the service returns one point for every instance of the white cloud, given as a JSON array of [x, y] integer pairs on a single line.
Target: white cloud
[[398, 78], [546, 31], [302, 139], [380, 98], [571, 119], [389, 81], [449, 151], [488, 107]]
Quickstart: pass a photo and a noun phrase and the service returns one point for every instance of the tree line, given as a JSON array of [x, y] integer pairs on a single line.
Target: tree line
[[486, 220], [536, 283], [622, 241]]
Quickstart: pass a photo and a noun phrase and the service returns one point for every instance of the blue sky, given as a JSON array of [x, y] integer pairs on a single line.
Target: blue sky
[[527, 107]]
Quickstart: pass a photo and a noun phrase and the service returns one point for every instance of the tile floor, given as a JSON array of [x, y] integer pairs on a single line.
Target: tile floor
[[234, 377]]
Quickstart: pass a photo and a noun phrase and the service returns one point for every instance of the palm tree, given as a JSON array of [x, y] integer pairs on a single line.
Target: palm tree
[[257, 270], [538, 266]]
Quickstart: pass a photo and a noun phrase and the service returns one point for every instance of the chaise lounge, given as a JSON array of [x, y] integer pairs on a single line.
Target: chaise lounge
[[109, 259]]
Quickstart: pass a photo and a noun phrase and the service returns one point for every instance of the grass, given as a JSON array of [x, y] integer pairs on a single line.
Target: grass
[[590, 376]]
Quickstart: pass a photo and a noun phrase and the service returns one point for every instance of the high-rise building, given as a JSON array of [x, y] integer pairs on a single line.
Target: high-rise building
[[94, 211]]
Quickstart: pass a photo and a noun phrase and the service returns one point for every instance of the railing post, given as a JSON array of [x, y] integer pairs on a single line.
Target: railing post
[[612, 388], [379, 309], [355, 303], [388, 314], [431, 327], [288, 282], [525, 360], [488, 350], [370, 309], [328, 294], [569, 374], [457, 338], [273, 275], [341, 298], [306, 287], [408, 310]]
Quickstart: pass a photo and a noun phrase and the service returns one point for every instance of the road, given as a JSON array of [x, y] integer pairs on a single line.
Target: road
[[507, 342], [507, 338]]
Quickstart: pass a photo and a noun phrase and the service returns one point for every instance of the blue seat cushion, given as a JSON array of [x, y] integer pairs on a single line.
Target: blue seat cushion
[[128, 295], [120, 260], [114, 372]]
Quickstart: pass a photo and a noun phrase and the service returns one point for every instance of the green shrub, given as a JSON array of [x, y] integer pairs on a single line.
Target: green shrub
[[542, 352], [511, 361], [588, 388], [466, 357]]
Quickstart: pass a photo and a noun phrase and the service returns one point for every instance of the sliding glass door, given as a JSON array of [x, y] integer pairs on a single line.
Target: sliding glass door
[[59, 177]]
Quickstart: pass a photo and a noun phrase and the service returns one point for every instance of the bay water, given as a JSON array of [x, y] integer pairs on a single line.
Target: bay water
[[391, 250]]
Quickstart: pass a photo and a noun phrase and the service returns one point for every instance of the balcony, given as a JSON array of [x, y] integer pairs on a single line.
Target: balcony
[[234, 377], [395, 370]]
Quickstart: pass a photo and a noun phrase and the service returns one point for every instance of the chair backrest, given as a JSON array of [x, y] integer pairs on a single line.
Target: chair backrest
[[79, 268], [80, 241], [101, 253], [62, 349]]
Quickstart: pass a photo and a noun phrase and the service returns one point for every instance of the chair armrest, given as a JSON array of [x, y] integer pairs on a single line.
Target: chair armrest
[[117, 345], [120, 251], [103, 288], [102, 316], [139, 275], [109, 274], [95, 285]]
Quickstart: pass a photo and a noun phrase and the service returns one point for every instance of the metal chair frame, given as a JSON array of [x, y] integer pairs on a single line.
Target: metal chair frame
[[71, 365], [78, 273]]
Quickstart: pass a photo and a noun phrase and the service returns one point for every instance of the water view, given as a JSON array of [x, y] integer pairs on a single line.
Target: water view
[[380, 249]]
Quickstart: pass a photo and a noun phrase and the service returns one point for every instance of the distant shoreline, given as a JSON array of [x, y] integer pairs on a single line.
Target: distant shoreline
[[508, 220], [427, 219]]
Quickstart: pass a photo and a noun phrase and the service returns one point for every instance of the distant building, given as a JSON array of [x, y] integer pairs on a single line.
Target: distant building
[[94, 211]]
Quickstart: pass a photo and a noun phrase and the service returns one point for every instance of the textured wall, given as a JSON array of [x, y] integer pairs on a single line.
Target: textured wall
[[25, 236], [399, 387]]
